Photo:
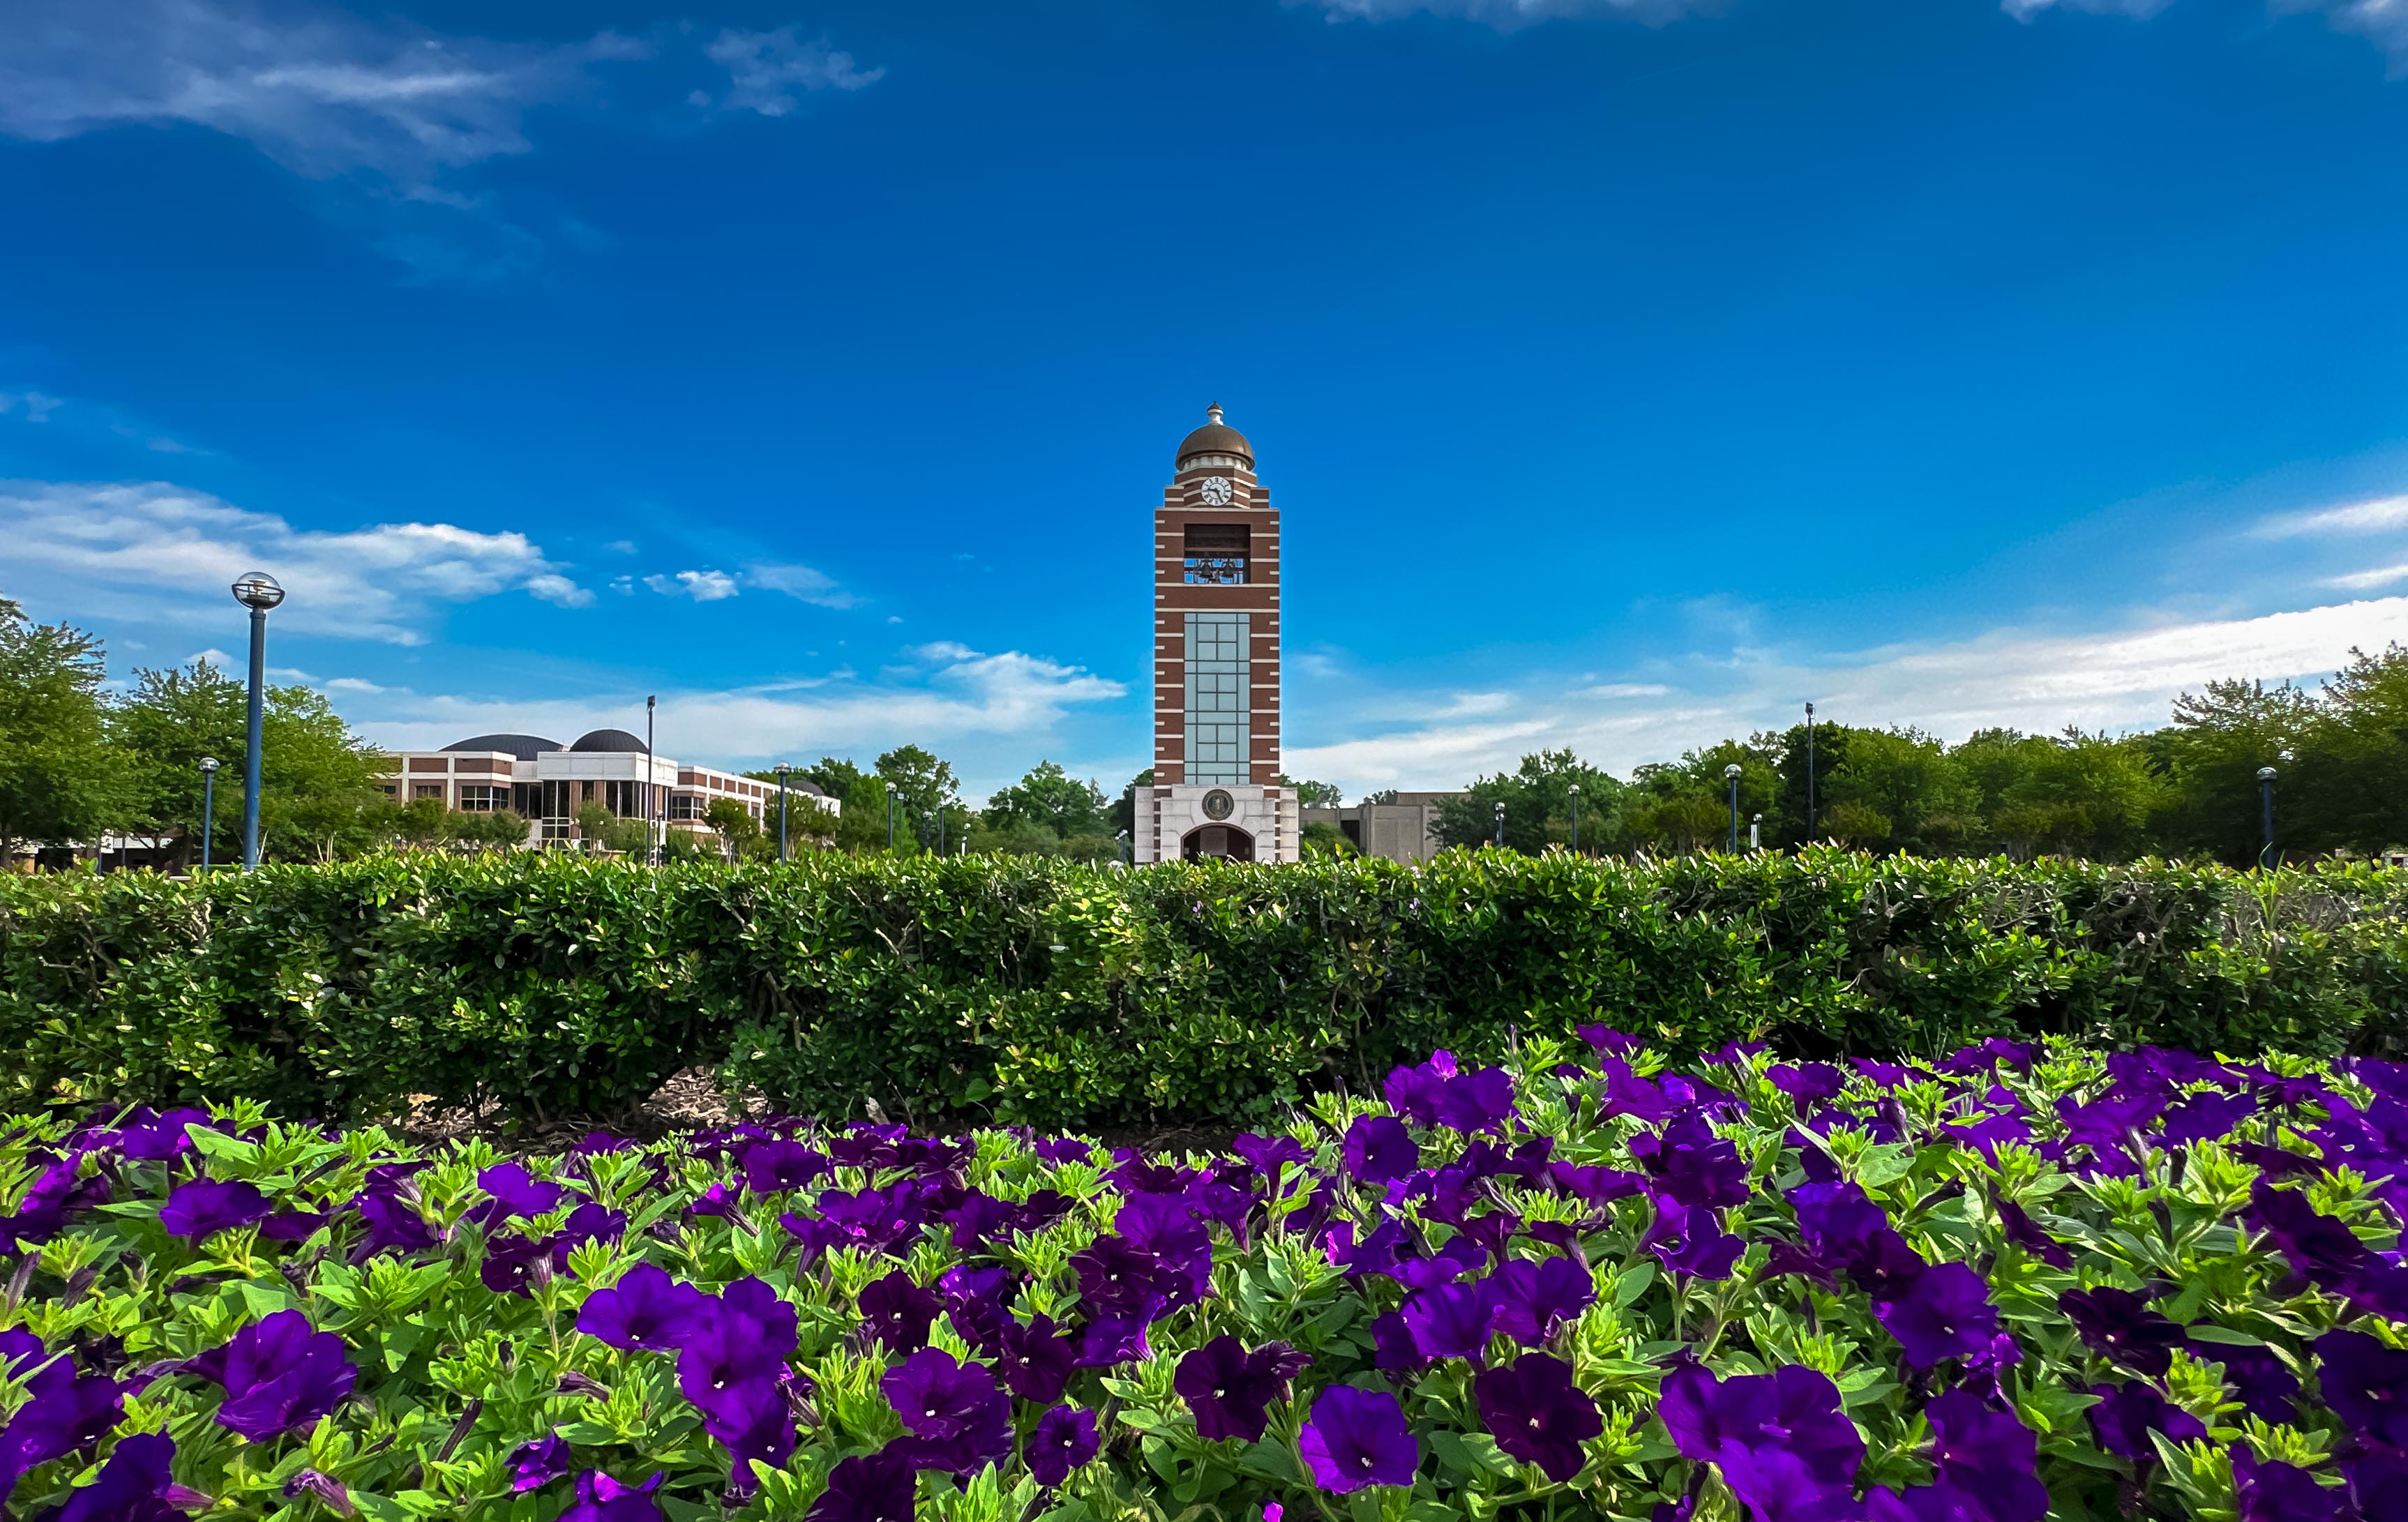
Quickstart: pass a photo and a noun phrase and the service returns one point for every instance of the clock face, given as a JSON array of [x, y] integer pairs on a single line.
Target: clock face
[[1216, 491]]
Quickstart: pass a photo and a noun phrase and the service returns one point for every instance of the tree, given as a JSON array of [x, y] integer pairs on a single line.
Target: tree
[[1907, 778], [2212, 753], [1122, 816], [733, 824], [1320, 838], [57, 780], [2348, 788], [1537, 797], [925, 791], [318, 792], [1051, 799], [1313, 795]]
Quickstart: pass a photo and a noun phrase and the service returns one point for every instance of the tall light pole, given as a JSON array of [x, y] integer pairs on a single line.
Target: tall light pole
[[259, 592], [1732, 772], [1810, 774], [889, 816], [651, 848], [208, 805], [1500, 825], [783, 770], [1575, 819], [2265, 816]]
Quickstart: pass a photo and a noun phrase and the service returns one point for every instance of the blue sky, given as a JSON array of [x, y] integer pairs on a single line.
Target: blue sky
[[1627, 373]]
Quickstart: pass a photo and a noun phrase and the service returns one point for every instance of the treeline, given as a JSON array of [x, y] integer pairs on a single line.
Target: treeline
[[79, 761], [2340, 753]]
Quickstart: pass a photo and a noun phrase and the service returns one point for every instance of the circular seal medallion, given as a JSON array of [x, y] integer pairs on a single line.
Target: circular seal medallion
[[1218, 805]]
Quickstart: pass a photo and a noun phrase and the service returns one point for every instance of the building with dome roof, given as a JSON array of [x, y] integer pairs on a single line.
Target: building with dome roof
[[551, 783], [1216, 663]]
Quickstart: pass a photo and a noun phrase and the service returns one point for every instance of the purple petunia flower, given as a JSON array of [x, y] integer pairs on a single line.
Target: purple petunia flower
[[1036, 1360], [897, 1312], [869, 1487], [1989, 1456], [1379, 1149], [1692, 1165], [1265, 1153], [2120, 1324], [1117, 1278], [395, 1225], [588, 1222], [1945, 1312], [537, 1464], [1357, 1438], [2322, 1250], [602, 1498], [2026, 1233], [55, 1194], [2366, 1385], [1794, 1410], [773, 1166], [2377, 1481], [151, 1138], [1064, 1439], [1230, 1390], [323, 1487], [1537, 1413], [280, 1374], [2127, 1413], [1690, 1239], [510, 1261], [63, 1412], [1540, 1296], [645, 1309], [515, 1193], [2271, 1491], [744, 1339], [2260, 1380], [959, 1418], [201, 1207], [1807, 1083], [137, 1484], [1476, 1101], [1454, 1321], [1109, 1340]]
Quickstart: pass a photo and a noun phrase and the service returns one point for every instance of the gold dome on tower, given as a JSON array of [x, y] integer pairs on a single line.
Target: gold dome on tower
[[1214, 438]]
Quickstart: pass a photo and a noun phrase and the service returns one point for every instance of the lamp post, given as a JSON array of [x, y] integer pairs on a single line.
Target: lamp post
[[1810, 774], [1732, 772], [259, 592], [889, 816], [1120, 847], [652, 847], [2265, 816], [783, 770], [1755, 833], [1500, 825], [1575, 819], [208, 805]]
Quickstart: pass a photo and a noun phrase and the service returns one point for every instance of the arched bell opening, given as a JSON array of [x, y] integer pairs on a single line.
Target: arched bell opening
[[1224, 842]]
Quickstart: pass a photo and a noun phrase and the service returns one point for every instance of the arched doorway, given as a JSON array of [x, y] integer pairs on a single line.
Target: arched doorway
[[1225, 842]]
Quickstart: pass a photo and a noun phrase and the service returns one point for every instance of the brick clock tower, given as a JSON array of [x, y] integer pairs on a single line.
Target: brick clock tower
[[1216, 663]]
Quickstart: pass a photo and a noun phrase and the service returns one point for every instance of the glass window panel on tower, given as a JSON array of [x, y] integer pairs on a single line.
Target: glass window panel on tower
[[1217, 698]]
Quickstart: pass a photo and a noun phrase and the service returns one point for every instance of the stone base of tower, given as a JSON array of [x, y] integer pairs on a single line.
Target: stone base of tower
[[1230, 820]]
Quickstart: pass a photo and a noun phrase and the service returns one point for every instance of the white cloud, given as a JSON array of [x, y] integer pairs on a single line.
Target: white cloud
[[764, 68], [148, 551], [991, 713], [2367, 581], [2034, 680], [321, 91], [2375, 516], [801, 582], [354, 685], [1625, 689], [701, 585], [37, 408], [2382, 22]]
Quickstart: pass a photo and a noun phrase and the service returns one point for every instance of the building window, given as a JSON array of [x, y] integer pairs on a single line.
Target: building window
[[685, 806], [477, 798], [392, 790], [1217, 698], [427, 790]]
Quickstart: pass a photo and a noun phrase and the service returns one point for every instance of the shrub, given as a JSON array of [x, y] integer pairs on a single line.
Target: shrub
[[966, 989], [2010, 1284]]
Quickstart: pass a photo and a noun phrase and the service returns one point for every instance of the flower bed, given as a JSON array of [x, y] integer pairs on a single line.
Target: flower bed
[[2013, 1283]]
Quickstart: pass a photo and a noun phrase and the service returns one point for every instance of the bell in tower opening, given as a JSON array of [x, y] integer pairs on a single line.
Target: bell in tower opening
[[1216, 663]]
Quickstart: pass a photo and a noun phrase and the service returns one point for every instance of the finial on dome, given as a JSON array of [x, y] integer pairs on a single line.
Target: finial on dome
[[1213, 411]]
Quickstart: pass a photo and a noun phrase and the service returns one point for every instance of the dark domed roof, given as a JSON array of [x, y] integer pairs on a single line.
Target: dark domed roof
[[525, 747], [1214, 438], [607, 739]]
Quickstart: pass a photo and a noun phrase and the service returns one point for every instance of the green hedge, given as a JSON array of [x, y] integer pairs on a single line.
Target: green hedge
[[1041, 991]]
